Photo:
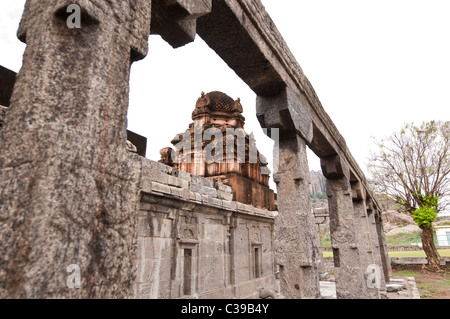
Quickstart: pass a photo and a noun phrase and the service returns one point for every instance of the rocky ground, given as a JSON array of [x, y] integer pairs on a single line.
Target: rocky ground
[[395, 223], [430, 283]]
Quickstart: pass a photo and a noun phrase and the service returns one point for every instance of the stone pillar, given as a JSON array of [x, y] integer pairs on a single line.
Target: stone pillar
[[70, 190], [296, 240], [364, 237], [386, 261], [349, 274], [376, 243], [320, 217]]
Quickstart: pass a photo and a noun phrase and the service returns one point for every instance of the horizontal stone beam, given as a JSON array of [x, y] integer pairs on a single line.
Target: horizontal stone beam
[[242, 33]]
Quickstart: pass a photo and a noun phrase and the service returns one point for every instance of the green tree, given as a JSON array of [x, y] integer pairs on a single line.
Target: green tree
[[412, 167]]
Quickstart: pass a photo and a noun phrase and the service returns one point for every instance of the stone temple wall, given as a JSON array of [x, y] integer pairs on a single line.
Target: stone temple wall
[[195, 242]]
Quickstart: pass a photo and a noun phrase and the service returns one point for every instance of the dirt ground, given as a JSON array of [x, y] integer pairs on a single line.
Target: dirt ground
[[431, 284]]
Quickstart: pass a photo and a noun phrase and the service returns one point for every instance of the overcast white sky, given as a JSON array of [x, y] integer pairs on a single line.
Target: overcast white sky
[[374, 65]]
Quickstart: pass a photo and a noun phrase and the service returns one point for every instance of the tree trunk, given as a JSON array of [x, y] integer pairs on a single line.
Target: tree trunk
[[433, 256]]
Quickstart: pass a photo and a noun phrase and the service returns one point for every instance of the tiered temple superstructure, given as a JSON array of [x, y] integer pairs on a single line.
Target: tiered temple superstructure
[[219, 149]]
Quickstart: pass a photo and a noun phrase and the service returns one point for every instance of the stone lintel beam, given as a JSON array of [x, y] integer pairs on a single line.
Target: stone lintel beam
[[176, 20], [285, 111], [243, 34]]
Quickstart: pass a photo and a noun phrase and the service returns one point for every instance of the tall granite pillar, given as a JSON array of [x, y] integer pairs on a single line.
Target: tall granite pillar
[[320, 217], [295, 243], [377, 251], [296, 240], [368, 262], [69, 188], [349, 272], [383, 245]]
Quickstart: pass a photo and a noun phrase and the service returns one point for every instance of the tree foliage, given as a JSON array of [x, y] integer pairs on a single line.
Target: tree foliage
[[412, 167]]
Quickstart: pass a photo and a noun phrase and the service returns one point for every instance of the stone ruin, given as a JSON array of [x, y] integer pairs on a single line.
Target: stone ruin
[[73, 196]]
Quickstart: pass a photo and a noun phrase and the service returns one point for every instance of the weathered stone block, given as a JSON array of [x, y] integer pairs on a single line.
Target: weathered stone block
[[207, 200], [243, 207], [223, 188], [286, 112], [209, 191], [175, 191], [181, 174], [334, 167], [149, 270], [227, 196], [229, 205], [202, 181], [146, 184], [217, 203], [178, 182], [161, 188]]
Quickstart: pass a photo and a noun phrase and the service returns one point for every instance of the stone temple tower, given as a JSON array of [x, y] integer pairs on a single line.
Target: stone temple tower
[[216, 147]]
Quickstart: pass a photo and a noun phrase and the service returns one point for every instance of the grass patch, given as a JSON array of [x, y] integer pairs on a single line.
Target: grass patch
[[417, 253], [404, 239], [414, 253], [426, 291], [428, 287], [326, 242], [444, 283], [406, 273]]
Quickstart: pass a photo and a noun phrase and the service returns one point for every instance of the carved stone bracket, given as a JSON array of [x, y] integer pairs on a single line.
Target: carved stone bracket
[[175, 20], [286, 112], [334, 167], [358, 191]]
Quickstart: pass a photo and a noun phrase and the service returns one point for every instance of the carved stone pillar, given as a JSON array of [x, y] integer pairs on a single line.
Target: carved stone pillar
[[69, 187], [344, 237], [295, 243], [295, 231], [376, 243], [383, 246], [364, 237], [321, 217]]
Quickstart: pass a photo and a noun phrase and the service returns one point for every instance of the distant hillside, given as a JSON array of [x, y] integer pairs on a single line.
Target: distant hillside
[[317, 183], [318, 191]]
